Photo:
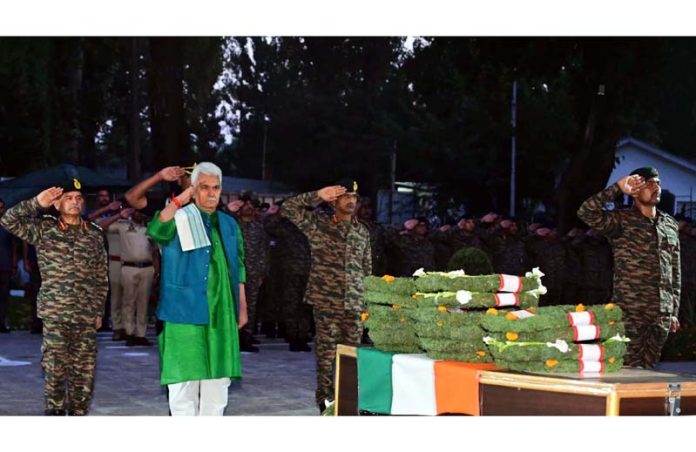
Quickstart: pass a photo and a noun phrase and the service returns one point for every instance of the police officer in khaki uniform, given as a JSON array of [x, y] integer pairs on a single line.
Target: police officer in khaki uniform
[[110, 223], [139, 265]]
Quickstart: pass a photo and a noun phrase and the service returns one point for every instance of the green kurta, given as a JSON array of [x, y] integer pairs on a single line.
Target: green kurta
[[201, 352]]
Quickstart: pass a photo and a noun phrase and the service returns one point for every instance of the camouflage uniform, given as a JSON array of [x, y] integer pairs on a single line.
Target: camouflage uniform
[[647, 277], [341, 258], [409, 253], [377, 245], [509, 253], [573, 268], [448, 242], [256, 263], [597, 269], [73, 265], [290, 264]]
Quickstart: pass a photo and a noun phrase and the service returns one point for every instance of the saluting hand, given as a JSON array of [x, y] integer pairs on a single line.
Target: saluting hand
[[115, 205], [48, 196], [185, 196], [631, 185], [171, 173], [125, 213], [329, 194], [234, 206]]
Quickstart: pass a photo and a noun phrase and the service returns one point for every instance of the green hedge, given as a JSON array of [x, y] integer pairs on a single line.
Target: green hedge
[[548, 318]]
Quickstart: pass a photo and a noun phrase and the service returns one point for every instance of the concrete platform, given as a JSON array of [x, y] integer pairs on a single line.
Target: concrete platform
[[276, 382]]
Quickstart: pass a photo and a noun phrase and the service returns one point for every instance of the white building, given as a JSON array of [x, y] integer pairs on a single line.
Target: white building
[[677, 174]]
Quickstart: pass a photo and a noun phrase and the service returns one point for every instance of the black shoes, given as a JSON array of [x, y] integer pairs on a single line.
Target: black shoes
[[54, 412], [119, 335], [299, 346], [132, 341], [248, 347]]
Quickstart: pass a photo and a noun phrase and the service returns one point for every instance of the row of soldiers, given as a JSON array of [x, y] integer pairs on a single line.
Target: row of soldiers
[[577, 266]]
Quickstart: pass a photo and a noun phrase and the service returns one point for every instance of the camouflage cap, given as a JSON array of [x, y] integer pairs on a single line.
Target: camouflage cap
[[646, 172], [349, 184], [72, 185]]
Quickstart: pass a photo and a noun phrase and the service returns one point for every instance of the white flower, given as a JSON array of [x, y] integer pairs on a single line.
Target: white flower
[[535, 273], [541, 290], [464, 296], [420, 272], [456, 274], [560, 344], [487, 340]]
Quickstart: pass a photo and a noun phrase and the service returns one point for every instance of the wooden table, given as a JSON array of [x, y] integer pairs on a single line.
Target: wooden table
[[628, 392]]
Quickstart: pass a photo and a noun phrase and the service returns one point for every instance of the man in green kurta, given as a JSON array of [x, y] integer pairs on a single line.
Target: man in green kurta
[[202, 302]]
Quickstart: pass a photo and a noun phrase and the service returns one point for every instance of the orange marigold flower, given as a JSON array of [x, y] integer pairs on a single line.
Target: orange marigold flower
[[551, 363], [510, 316], [481, 353], [396, 307], [388, 278], [511, 336], [580, 308], [492, 311], [609, 306], [364, 316], [442, 308], [611, 322], [414, 296], [612, 360]]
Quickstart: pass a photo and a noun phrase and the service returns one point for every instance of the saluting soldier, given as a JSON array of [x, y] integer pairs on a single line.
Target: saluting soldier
[[647, 273], [73, 265], [341, 258]]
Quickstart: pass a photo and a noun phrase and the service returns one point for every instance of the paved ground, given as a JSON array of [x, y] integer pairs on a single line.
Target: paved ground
[[276, 382]]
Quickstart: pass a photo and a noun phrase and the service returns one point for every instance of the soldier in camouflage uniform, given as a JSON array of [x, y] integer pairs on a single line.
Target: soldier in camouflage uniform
[[73, 265], [411, 248], [507, 248], [647, 273], [450, 239], [572, 290], [365, 215], [290, 263], [341, 258], [256, 248], [548, 252], [597, 268]]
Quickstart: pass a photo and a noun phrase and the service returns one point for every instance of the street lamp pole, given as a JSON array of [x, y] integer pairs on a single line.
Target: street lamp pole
[[513, 151]]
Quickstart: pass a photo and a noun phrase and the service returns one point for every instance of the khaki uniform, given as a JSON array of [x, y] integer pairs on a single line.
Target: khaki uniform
[[114, 240], [136, 276]]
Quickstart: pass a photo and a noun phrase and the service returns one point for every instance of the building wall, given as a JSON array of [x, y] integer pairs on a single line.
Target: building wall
[[676, 178]]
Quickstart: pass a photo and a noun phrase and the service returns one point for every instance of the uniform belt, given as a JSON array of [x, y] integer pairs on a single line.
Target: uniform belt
[[137, 264], [114, 258]]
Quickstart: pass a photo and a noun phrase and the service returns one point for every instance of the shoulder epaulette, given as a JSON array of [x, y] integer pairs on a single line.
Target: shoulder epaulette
[[94, 225]]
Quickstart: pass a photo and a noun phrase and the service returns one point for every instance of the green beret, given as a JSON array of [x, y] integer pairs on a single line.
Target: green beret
[[647, 172], [349, 184], [72, 185]]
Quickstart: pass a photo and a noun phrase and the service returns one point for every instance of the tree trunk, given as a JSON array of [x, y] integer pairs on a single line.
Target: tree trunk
[[169, 132]]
